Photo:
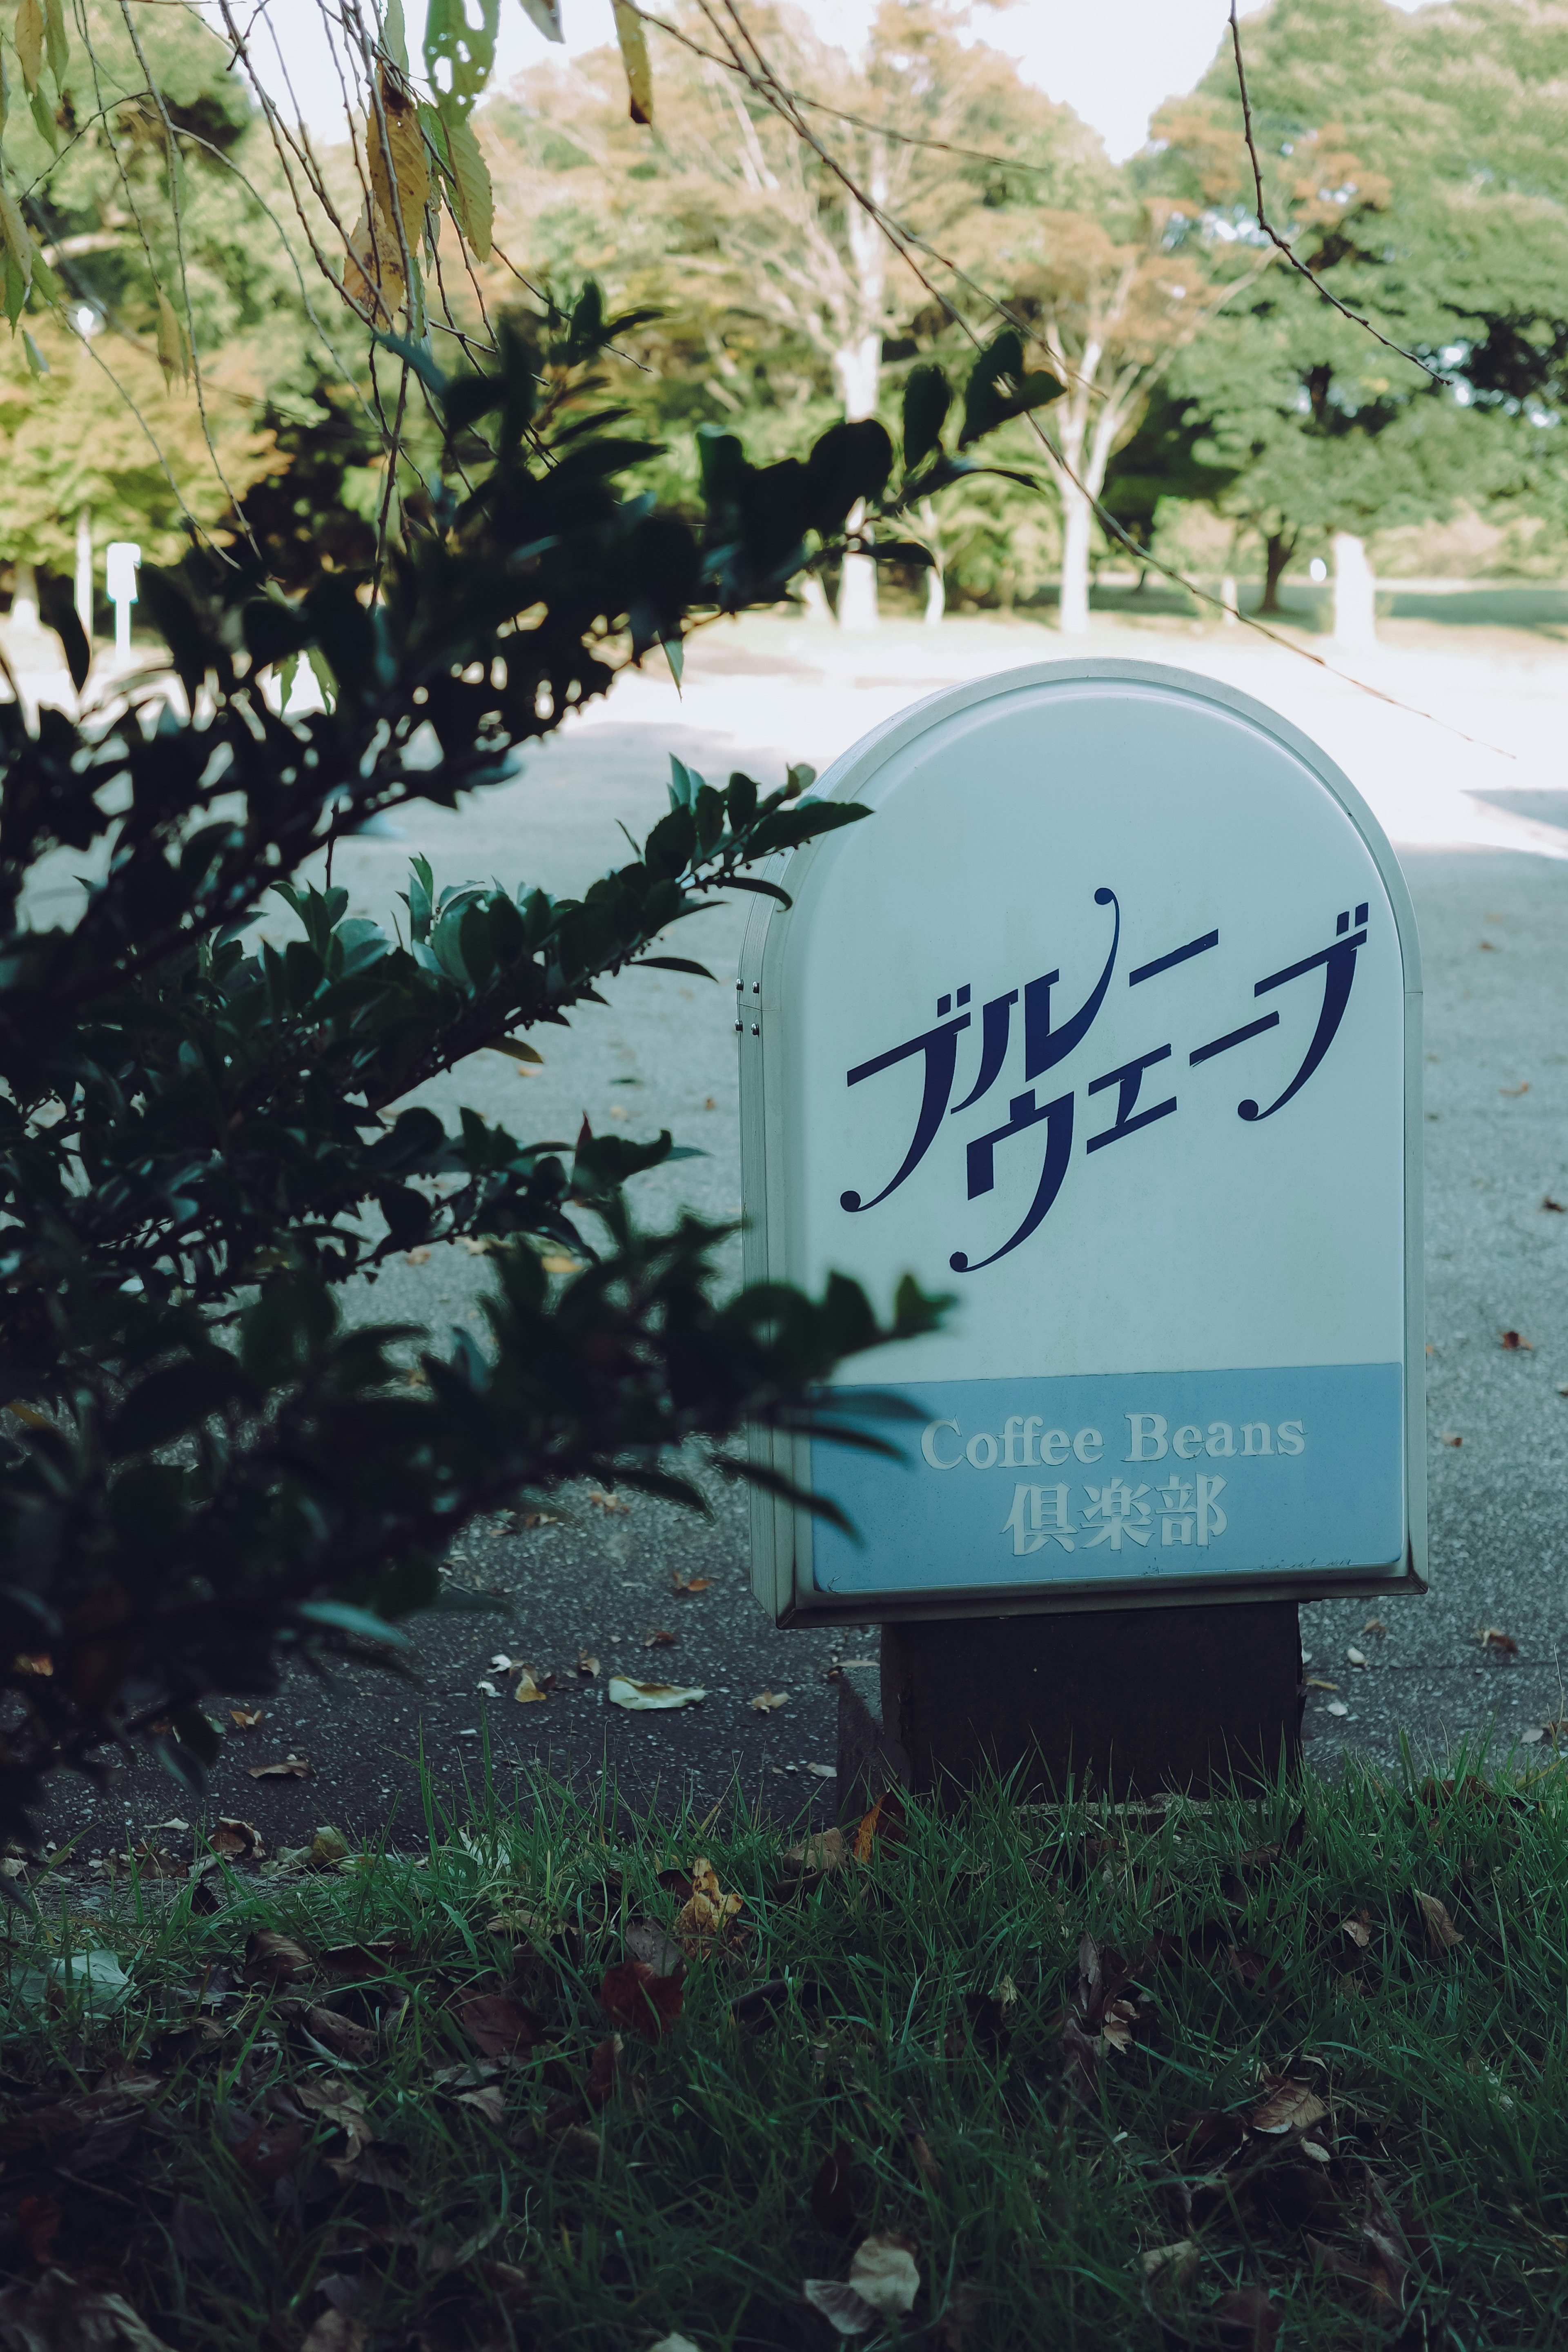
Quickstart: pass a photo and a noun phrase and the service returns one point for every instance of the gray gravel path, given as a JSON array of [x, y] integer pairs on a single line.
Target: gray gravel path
[[661, 1054]]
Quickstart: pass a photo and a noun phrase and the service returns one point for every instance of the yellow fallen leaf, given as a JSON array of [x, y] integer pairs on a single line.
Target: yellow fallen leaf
[[1441, 1933], [526, 1689], [708, 1910], [558, 1264], [1289, 2107], [768, 1702], [420, 1256], [643, 1697], [586, 1663]]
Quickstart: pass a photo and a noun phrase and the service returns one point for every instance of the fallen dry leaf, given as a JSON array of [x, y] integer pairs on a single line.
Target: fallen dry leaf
[[1556, 1205], [658, 1639], [823, 1852], [1514, 1339], [558, 1265], [342, 2105], [1290, 2107], [768, 1702], [1441, 1933], [1374, 1625], [335, 2331], [420, 1256], [245, 1718], [586, 1663], [526, 1689], [847, 2313], [884, 2280], [269, 2150], [1515, 1090], [292, 1768], [708, 1911], [1492, 1637], [633, 1996], [1315, 1682], [1451, 1437], [328, 1846], [690, 1584], [1176, 2263], [1358, 1930], [885, 2274], [497, 2024], [343, 2035], [883, 1826], [606, 1502], [488, 2101], [237, 1841], [273, 1958], [1245, 2321], [649, 1698]]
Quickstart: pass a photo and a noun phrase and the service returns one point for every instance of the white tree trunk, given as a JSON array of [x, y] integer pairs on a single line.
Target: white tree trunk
[[24, 598], [856, 369], [1228, 597], [1355, 594], [84, 572], [814, 599], [1072, 616], [936, 597]]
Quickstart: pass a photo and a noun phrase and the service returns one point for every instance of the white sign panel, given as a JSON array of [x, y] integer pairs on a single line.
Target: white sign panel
[[1107, 1023]]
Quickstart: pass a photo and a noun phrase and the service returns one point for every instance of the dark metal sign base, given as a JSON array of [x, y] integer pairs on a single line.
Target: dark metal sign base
[[1122, 1702]]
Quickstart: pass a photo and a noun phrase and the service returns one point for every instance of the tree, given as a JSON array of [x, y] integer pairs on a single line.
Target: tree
[[1408, 162], [1110, 297], [67, 443], [101, 407], [742, 235], [198, 1144], [1170, 455]]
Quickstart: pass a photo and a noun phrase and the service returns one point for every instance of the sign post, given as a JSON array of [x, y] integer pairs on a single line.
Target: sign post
[[122, 559], [1107, 1023]]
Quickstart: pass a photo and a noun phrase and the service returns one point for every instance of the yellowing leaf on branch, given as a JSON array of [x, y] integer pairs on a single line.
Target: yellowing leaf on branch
[[475, 207], [375, 282], [408, 171], [56, 42], [18, 244], [634, 57], [29, 37], [173, 346]]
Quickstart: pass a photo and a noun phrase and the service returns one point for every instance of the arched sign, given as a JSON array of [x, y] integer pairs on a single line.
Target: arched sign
[[1107, 1023]]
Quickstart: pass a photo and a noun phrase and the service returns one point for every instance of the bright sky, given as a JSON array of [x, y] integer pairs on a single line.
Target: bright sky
[[1113, 61]]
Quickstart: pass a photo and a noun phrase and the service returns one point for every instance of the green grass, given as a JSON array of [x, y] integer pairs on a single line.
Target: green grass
[[1029, 2182]]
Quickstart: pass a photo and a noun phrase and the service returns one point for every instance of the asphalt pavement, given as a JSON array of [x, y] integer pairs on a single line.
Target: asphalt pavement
[[1478, 1657]]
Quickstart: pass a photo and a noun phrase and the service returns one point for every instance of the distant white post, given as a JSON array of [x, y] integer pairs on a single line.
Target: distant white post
[[120, 559], [84, 572], [1355, 594]]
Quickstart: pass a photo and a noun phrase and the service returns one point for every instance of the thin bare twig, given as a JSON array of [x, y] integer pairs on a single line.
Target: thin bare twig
[[858, 122], [1282, 244]]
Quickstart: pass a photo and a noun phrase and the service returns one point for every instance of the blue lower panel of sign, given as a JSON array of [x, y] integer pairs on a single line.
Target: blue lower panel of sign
[[1120, 1478]]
